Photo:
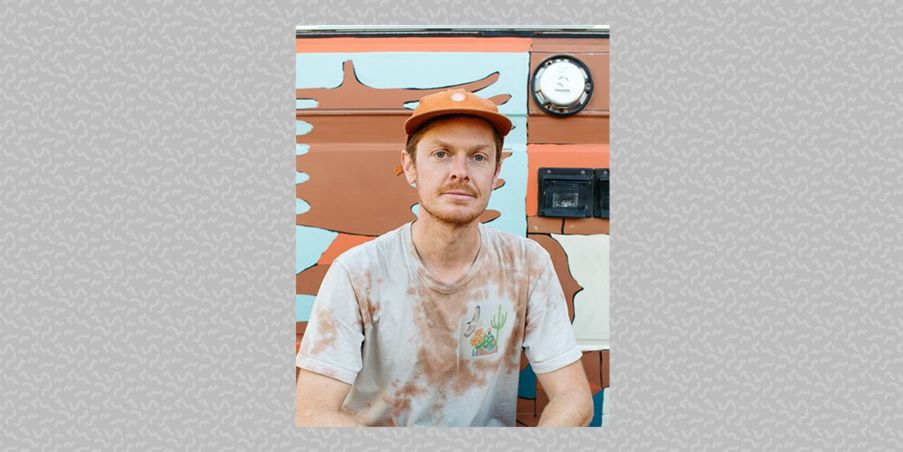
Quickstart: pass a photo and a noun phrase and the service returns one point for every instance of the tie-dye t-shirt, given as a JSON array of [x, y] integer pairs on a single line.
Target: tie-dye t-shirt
[[420, 352]]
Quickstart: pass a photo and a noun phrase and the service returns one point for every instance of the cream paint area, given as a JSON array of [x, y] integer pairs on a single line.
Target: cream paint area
[[588, 262]]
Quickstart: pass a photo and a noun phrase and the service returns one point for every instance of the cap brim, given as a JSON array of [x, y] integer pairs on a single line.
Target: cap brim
[[501, 123]]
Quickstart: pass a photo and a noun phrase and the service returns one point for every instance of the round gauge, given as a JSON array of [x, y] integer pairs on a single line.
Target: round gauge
[[562, 85]]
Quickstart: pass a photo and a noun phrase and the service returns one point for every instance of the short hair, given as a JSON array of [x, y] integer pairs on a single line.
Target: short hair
[[414, 138]]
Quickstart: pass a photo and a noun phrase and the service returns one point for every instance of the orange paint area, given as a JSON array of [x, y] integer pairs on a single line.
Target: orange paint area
[[412, 44], [308, 281], [342, 243]]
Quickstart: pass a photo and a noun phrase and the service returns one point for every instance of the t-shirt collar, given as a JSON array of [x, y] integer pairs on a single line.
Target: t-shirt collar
[[424, 275]]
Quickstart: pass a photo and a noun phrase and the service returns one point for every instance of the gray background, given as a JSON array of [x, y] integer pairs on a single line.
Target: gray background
[[146, 239]]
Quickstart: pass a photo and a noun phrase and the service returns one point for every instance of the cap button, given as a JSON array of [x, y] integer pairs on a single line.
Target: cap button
[[457, 97]]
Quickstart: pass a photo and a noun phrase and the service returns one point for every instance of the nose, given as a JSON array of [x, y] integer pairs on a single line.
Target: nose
[[459, 169]]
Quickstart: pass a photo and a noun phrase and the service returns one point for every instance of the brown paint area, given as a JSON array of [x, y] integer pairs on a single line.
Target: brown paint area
[[412, 44], [348, 191], [577, 129], [565, 45], [547, 225], [308, 281], [569, 285], [606, 371], [592, 365], [326, 333], [586, 226], [355, 142], [353, 195], [364, 96]]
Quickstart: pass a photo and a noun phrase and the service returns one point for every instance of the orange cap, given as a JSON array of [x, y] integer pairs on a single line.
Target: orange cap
[[460, 102]]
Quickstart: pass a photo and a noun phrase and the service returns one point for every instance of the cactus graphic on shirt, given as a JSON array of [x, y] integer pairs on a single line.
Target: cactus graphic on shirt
[[498, 321], [483, 341]]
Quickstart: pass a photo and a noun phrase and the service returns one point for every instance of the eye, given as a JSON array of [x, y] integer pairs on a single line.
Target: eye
[[480, 157], [440, 154]]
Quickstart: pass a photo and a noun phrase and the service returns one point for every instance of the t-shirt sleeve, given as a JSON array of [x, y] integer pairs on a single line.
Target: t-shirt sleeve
[[549, 340], [331, 345]]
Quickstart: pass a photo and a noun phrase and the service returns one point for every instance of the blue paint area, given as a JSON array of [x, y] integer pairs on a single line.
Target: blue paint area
[[516, 140], [526, 384], [310, 243], [422, 70], [597, 409], [301, 206], [301, 104], [317, 70], [301, 149], [303, 306], [510, 200], [302, 127], [415, 209], [300, 177]]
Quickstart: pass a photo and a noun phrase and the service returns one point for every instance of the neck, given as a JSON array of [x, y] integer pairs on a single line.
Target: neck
[[445, 247]]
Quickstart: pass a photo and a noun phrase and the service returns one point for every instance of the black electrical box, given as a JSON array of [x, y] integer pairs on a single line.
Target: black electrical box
[[566, 192], [600, 209]]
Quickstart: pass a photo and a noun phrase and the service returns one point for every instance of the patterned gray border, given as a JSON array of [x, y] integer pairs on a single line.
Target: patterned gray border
[[146, 197]]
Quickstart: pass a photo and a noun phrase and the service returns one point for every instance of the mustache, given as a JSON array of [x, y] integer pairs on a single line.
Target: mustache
[[461, 188]]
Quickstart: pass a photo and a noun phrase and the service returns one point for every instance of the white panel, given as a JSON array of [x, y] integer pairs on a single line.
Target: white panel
[[588, 262]]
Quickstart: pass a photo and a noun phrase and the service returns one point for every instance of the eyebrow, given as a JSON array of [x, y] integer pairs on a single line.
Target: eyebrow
[[440, 142]]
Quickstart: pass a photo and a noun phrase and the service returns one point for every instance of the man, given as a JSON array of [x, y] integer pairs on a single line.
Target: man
[[425, 324]]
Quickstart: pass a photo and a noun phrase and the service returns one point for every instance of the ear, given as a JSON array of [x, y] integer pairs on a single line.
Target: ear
[[410, 170], [498, 170]]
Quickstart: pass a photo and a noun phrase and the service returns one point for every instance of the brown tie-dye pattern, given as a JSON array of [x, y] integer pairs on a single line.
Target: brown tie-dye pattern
[[443, 371], [400, 399], [326, 332], [368, 308], [371, 308], [438, 318], [515, 341]]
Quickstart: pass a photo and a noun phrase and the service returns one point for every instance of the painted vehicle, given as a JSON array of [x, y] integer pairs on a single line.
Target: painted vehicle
[[354, 89]]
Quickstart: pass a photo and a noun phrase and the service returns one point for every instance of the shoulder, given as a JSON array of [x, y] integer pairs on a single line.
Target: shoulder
[[372, 252], [516, 247]]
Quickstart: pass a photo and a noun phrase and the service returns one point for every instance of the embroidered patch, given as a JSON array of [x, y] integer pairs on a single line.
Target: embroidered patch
[[483, 341]]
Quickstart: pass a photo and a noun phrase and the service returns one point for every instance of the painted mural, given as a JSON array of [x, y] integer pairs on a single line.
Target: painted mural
[[353, 95]]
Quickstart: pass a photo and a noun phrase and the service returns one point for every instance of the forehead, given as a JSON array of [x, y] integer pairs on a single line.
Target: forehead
[[463, 130]]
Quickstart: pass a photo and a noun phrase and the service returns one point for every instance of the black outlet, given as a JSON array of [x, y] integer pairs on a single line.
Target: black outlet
[[566, 192]]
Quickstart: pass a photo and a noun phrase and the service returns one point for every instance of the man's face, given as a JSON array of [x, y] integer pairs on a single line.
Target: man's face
[[455, 169]]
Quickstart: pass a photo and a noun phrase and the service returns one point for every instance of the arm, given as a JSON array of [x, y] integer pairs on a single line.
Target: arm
[[570, 401], [318, 401]]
